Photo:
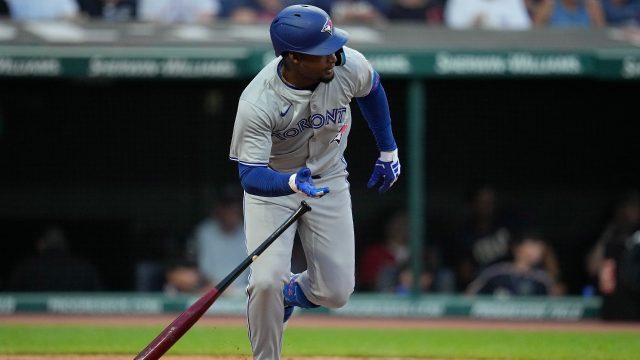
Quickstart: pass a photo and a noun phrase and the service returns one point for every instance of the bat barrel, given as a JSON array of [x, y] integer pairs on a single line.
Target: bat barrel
[[172, 333]]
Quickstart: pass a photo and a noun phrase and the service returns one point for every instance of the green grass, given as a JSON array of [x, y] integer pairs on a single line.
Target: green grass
[[417, 343]]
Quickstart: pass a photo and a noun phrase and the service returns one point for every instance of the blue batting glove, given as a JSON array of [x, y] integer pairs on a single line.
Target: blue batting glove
[[301, 182], [386, 171]]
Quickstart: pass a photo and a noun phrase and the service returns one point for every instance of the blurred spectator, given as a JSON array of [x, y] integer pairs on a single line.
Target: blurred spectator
[[178, 11], [615, 260], [27, 10], [532, 7], [109, 10], [385, 266], [358, 11], [255, 11], [219, 243], [619, 280], [248, 11], [525, 275], [622, 12], [429, 11], [4, 9], [625, 219], [570, 13], [183, 277], [487, 14], [322, 4], [552, 266], [485, 235], [54, 268]]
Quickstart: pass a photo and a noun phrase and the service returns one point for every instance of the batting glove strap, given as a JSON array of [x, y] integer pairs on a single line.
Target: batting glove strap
[[301, 182], [386, 171]]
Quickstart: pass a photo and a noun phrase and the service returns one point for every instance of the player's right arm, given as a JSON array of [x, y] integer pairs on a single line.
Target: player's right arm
[[251, 148]]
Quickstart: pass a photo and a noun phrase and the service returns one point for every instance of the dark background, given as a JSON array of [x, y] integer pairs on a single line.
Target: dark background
[[127, 168]]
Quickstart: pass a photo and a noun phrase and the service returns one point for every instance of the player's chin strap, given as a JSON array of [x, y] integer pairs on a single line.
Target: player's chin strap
[[340, 57]]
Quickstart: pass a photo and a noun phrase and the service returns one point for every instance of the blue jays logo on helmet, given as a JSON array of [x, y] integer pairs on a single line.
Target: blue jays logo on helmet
[[305, 29], [328, 26]]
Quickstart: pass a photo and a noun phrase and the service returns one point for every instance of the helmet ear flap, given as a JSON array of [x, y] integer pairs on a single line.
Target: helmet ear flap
[[340, 58]]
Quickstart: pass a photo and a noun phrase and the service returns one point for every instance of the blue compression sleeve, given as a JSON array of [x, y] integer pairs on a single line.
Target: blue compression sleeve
[[375, 109], [262, 181]]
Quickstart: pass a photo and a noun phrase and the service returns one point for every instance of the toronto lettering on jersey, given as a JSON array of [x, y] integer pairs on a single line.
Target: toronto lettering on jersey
[[315, 121]]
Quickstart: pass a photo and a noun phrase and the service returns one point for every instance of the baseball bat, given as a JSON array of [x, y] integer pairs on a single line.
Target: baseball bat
[[172, 333]]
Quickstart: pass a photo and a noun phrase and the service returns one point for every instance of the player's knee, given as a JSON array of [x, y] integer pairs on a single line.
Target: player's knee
[[264, 285], [338, 299], [337, 296]]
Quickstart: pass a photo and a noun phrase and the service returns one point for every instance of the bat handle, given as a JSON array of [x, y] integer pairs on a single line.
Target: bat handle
[[304, 207], [301, 210]]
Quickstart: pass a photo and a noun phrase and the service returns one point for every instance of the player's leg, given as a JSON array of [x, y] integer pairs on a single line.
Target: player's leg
[[268, 275], [328, 240]]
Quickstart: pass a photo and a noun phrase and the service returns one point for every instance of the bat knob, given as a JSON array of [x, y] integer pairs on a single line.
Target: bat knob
[[304, 206]]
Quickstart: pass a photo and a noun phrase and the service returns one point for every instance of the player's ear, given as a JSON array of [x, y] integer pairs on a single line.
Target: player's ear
[[294, 57]]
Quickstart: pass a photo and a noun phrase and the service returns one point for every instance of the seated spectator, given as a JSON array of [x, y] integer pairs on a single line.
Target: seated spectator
[[523, 276], [532, 7], [29, 10], [551, 265], [182, 277], [619, 280], [54, 268], [487, 14], [322, 4], [385, 266], [622, 12], [427, 11], [4, 9], [570, 13], [615, 260], [255, 11], [358, 11], [219, 241], [109, 10], [625, 219], [485, 235], [178, 11]]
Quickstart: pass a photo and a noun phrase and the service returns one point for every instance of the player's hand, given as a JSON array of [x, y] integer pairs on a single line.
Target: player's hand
[[301, 182], [386, 171]]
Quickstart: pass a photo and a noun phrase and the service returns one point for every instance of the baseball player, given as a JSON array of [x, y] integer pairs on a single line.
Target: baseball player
[[289, 137]]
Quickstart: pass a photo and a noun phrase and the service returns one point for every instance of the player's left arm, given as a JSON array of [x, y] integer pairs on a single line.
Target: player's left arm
[[375, 109]]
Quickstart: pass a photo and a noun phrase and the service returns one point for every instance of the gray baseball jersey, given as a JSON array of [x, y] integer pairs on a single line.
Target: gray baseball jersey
[[286, 129]]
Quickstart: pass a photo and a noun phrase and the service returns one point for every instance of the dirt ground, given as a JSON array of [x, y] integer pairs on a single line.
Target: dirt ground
[[298, 321], [111, 357]]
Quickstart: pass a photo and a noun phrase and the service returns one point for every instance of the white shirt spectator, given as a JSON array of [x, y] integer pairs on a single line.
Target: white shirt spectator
[[220, 252], [487, 14], [178, 11], [26, 10]]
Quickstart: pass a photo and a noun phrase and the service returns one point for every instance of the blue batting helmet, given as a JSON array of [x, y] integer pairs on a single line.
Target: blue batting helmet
[[305, 29]]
